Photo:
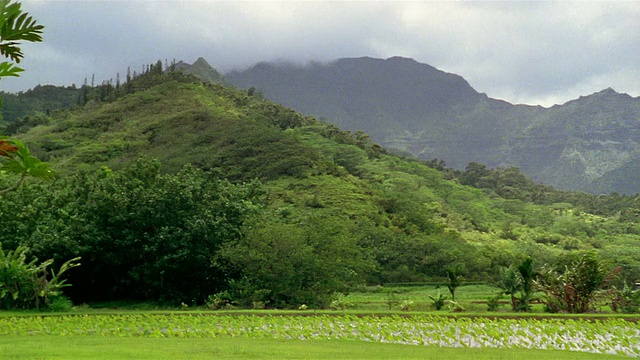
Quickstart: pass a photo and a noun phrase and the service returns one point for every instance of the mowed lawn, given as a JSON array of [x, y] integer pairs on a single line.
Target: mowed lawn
[[95, 347]]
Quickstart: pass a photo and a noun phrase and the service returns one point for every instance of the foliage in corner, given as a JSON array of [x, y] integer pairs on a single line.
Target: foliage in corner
[[16, 159], [15, 26]]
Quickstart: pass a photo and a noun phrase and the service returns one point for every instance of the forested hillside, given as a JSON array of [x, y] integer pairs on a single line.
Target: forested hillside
[[176, 189], [589, 144], [41, 99]]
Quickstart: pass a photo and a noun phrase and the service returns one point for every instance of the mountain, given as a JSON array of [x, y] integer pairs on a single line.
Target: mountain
[[201, 69], [590, 144]]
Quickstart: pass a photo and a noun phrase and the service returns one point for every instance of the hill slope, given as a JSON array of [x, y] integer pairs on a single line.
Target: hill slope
[[413, 107], [400, 214]]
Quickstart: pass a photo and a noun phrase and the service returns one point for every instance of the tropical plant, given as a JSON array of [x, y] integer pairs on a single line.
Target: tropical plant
[[518, 280], [438, 301], [527, 275], [511, 283], [493, 303], [453, 280], [29, 284]]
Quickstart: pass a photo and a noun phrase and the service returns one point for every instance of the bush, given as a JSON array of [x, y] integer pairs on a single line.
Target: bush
[[147, 235], [60, 303], [626, 300], [218, 301], [340, 304], [455, 306], [579, 288]]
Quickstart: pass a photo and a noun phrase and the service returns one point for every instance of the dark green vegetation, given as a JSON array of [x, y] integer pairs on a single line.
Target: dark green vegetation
[[589, 144], [277, 209]]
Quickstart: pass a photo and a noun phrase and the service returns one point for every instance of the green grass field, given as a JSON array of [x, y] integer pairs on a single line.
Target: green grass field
[[187, 334], [57, 347]]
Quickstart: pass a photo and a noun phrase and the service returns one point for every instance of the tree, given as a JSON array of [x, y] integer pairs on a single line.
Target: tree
[[145, 235], [511, 284], [527, 275], [516, 280], [286, 265]]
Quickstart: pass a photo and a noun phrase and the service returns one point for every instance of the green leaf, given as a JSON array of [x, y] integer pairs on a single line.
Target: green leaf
[[14, 27], [8, 69]]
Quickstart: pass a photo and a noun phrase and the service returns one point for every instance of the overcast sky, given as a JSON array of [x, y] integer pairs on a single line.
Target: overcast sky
[[523, 52]]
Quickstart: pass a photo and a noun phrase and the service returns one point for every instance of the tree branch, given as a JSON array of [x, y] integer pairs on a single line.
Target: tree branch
[[14, 187]]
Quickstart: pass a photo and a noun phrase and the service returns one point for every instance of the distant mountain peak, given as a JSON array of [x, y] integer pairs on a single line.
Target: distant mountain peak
[[201, 69], [607, 91], [201, 62], [401, 58], [605, 94]]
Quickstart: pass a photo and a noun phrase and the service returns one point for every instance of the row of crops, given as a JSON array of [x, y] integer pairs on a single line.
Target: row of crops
[[614, 336]]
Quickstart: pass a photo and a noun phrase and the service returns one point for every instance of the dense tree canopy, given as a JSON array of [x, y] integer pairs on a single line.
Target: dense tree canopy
[[141, 234]]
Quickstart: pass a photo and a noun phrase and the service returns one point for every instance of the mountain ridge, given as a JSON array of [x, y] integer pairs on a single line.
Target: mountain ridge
[[429, 113]]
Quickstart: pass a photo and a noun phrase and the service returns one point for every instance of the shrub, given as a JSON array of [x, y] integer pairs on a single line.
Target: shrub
[[626, 300], [218, 301], [407, 305], [455, 306], [391, 300], [60, 303]]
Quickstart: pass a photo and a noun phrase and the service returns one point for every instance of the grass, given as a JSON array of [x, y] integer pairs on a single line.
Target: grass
[[89, 347]]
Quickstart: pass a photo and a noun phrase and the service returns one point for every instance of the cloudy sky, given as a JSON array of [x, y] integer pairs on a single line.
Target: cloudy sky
[[523, 52]]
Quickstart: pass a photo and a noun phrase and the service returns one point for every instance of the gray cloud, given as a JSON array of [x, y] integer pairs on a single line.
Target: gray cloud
[[525, 52]]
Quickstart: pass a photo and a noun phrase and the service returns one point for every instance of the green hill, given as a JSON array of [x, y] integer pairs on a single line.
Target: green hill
[[331, 196]]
